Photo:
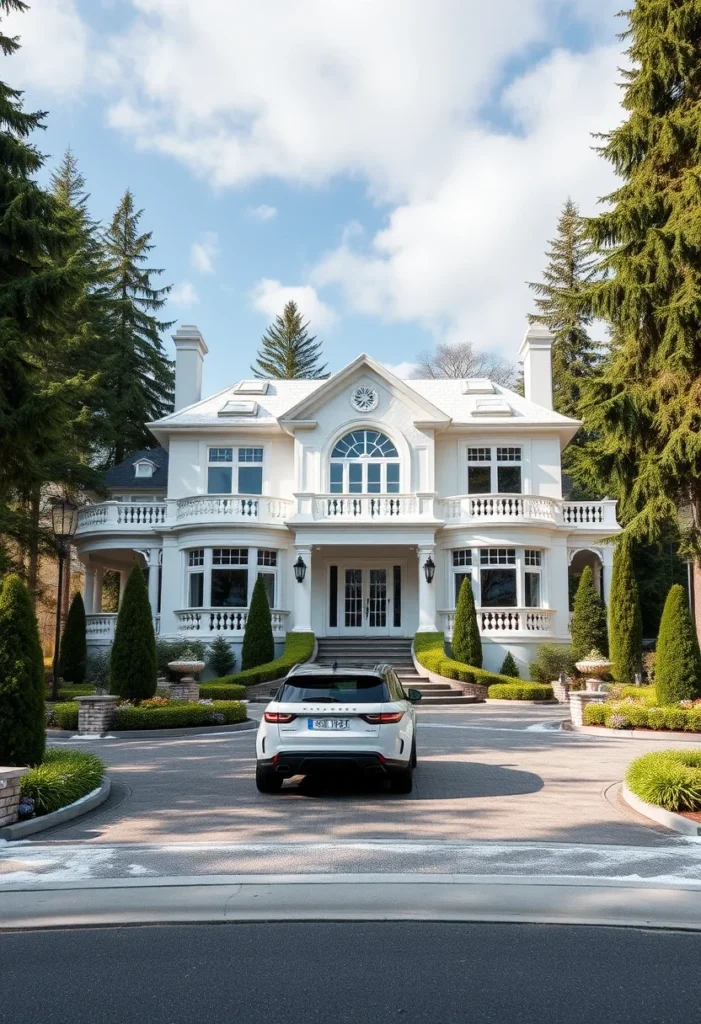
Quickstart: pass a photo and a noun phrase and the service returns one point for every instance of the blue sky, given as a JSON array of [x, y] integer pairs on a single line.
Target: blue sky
[[400, 163]]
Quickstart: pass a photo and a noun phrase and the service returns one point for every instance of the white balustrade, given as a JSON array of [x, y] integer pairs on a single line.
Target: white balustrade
[[589, 513], [100, 627], [482, 508], [224, 620], [364, 506], [232, 508], [148, 513], [493, 621], [121, 515]]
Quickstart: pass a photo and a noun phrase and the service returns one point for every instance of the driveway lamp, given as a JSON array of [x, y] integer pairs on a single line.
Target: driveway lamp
[[64, 522], [429, 569], [300, 568]]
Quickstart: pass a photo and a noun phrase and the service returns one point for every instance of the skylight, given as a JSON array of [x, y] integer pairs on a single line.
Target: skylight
[[251, 387], [478, 386], [492, 407], [240, 408]]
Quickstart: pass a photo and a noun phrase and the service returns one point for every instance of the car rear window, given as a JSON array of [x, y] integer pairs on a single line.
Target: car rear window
[[334, 689]]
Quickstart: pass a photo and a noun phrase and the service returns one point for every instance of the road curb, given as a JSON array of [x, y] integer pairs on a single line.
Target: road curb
[[634, 734], [354, 898], [153, 734], [87, 803], [670, 819]]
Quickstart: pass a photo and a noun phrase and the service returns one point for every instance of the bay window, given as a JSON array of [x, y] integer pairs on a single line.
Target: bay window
[[500, 577], [220, 577]]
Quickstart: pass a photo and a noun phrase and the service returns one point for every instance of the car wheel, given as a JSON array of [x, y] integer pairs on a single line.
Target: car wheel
[[267, 781], [413, 753], [402, 781]]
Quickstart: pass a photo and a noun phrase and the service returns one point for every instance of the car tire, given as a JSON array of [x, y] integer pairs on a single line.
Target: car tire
[[413, 753], [402, 781], [267, 781]]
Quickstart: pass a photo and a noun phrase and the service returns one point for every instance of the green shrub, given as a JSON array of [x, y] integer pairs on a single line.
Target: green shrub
[[74, 648], [63, 777], [179, 715], [71, 692], [299, 647], [133, 668], [173, 648], [220, 656], [429, 649], [625, 622], [588, 625], [668, 778], [98, 667], [520, 691], [509, 666], [647, 694], [258, 646], [675, 718], [678, 663], [638, 715], [65, 716], [22, 716], [551, 661], [693, 719], [594, 714], [222, 691], [466, 644]]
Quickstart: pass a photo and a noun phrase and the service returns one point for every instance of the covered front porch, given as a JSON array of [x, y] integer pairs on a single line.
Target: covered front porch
[[106, 575]]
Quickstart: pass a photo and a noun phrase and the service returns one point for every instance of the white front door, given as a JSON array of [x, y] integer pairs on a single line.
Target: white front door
[[366, 600]]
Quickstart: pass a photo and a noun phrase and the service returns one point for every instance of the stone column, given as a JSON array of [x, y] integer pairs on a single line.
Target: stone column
[[89, 589], [154, 558], [607, 570], [579, 699], [303, 593], [427, 593], [10, 781], [97, 590], [96, 714], [123, 577]]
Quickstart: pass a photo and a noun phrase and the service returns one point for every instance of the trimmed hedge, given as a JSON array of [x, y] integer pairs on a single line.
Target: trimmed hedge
[[63, 777], [65, 716], [222, 691], [71, 692], [668, 778], [429, 649], [647, 694], [179, 716], [520, 691], [623, 715], [299, 647]]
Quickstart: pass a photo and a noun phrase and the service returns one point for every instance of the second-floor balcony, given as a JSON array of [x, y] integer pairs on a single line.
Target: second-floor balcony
[[139, 516], [527, 508]]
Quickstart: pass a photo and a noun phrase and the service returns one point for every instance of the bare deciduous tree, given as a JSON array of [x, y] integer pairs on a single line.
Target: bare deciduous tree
[[464, 360]]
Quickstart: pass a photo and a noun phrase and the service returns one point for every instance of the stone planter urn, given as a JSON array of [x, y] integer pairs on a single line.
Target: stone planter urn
[[594, 667], [187, 687]]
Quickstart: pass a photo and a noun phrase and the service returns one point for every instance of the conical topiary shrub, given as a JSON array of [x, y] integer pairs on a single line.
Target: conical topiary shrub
[[678, 661], [625, 622], [22, 719], [588, 626], [509, 666], [74, 650], [133, 662], [466, 643], [258, 644]]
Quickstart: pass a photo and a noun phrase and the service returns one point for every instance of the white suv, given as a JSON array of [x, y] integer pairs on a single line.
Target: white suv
[[334, 719]]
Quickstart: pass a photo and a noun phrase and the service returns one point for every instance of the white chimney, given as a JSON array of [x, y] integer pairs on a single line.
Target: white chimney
[[190, 350], [536, 355]]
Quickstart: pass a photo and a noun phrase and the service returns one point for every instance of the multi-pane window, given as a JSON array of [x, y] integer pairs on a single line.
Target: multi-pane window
[[498, 556], [492, 471], [498, 587], [235, 471], [461, 559], [229, 586], [195, 578], [224, 577], [500, 577], [267, 562], [532, 589], [364, 462], [533, 557]]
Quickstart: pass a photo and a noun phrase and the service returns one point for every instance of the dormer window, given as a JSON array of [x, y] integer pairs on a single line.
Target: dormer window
[[144, 469]]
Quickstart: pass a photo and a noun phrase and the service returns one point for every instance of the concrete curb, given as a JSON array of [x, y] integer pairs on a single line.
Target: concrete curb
[[89, 802], [670, 819], [634, 734], [153, 734], [353, 898]]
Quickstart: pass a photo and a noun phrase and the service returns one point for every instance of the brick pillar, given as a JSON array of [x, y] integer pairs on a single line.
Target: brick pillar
[[578, 700], [10, 781], [186, 688], [96, 713]]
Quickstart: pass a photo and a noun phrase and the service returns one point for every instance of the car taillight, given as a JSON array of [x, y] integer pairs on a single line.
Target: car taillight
[[385, 717], [277, 716]]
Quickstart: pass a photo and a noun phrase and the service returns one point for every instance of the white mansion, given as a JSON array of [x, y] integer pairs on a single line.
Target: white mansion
[[362, 500]]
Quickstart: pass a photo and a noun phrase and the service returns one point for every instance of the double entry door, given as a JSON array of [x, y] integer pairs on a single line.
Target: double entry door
[[366, 599]]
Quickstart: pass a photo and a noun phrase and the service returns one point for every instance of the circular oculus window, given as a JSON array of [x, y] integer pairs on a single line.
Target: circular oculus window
[[364, 398]]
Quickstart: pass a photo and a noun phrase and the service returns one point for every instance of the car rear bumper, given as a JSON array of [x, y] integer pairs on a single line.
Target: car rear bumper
[[303, 762]]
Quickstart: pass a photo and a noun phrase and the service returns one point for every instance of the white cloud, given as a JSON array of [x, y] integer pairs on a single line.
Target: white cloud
[[53, 52], [402, 370], [270, 296], [204, 252], [262, 213], [184, 295]]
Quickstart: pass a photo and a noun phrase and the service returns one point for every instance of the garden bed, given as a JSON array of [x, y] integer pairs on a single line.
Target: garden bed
[[63, 777], [533, 693], [641, 715], [160, 713]]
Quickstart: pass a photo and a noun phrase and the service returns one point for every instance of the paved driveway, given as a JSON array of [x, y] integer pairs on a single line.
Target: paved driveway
[[490, 773]]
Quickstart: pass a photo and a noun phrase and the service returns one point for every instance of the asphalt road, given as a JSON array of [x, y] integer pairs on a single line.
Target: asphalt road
[[350, 974]]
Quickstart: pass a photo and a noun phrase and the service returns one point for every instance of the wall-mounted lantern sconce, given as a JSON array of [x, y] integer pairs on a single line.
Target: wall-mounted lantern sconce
[[300, 568], [429, 569]]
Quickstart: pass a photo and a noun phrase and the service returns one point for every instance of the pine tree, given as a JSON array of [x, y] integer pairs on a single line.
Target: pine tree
[[565, 309], [74, 651], [646, 407], [588, 625], [625, 623], [22, 722], [509, 667], [287, 351], [678, 662], [258, 644], [138, 377], [221, 656], [466, 643], [133, 661]]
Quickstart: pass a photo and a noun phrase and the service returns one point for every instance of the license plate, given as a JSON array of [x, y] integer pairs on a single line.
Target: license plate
[[328, 723]]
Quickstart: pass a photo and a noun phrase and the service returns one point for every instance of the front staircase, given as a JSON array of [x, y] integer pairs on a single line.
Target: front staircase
[[369, 651]]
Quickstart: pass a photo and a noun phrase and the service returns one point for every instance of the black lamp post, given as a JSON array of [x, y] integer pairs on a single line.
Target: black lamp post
[[300, 568], [429, 569], [64, 522]]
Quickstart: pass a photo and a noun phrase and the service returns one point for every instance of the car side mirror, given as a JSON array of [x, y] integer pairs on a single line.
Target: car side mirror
[[414, 696]]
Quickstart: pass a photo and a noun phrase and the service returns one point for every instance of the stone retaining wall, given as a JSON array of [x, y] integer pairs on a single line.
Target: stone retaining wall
[[10, 784]]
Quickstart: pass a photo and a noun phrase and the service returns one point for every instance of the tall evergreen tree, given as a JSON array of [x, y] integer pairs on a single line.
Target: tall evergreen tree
[[678, 665], [564, 308], [133, 658], [74, 651], [258, 646], [138, 377], [287, 351], [22, 722], [625, 622], [466, 643], [646, 406], [588, 625]]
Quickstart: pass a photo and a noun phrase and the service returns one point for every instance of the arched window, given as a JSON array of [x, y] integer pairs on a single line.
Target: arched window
[[364, 462]]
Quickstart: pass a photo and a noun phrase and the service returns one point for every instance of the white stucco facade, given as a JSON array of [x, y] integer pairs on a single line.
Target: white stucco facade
[[367, 480]]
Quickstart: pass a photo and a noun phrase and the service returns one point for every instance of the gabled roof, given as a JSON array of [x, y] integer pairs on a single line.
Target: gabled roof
[[450, 396], [124, 476], [280, 396]]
